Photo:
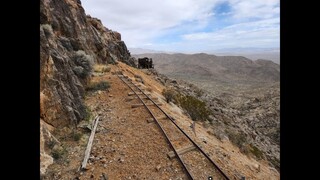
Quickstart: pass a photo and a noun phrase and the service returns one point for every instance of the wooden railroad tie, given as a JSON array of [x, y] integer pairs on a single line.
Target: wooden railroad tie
[[139, 85], [138, 105], [135, 97], [150, 120], [181, 151], [132, 93], [141, 89]]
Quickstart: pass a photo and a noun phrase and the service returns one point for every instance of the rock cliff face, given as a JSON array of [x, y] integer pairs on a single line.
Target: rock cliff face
[[70, 42]]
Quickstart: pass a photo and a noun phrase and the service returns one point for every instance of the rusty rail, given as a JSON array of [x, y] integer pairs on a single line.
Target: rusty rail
[[169, 117]]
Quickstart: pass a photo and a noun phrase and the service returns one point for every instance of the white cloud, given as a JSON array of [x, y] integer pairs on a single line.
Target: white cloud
[[150, 23], [143, 20], [255, 8], [251, 34]]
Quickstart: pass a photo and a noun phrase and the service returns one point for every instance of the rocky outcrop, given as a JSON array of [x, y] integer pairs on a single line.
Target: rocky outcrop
[[70, 43], [45, 138]]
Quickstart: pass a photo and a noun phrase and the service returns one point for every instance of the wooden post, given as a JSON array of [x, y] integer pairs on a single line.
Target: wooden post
[[193, 127], [88, 150]]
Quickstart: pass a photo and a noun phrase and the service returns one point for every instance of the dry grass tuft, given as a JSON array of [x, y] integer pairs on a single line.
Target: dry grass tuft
[[101, 68]]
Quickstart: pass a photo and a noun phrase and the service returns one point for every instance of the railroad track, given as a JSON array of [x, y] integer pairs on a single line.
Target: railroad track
[[196, 163]]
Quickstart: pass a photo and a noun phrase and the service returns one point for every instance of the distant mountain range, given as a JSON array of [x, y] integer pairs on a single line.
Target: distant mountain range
[[134, 51], [272, 54], [211, 68]]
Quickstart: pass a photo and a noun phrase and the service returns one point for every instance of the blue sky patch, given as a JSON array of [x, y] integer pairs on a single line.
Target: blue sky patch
[[222, 9]]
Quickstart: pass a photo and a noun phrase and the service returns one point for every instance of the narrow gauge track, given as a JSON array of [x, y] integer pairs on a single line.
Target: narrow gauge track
[[177, 138]]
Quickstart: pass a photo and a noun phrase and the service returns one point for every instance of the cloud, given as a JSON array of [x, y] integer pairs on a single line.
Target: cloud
[[157, 14], [251, 34], [255, 8], [189, 24], [143, 20]]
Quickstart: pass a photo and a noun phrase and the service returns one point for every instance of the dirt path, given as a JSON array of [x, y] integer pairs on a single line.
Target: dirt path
[[127, 146]]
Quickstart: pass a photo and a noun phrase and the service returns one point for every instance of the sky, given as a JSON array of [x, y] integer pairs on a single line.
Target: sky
[[190, 25]]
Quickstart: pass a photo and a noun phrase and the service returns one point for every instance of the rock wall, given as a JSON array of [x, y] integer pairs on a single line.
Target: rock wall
[[70, 42]]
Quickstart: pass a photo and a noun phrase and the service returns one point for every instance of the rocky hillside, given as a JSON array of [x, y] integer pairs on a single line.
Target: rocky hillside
[[250, 118], [226, 69], [243, 96], [70, 43]]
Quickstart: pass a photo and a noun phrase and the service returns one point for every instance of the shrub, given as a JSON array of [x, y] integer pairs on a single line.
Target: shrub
[[199, 92], [80, 72], [102, 85], [58, 153], [239, 139], [101, 68], [168, 94], [88, 114], [47, 28], [256, 152], [76, 136], [83, 64], [194, 107]]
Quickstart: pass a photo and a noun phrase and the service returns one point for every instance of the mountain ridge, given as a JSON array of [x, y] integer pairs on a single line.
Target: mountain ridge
[[272, 54], [229, 69]]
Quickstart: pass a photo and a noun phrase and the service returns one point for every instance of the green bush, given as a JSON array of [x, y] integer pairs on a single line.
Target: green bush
[[102, 85], [84, 64], [194, 107], [76, 136], [168, 94], [59, 153], [239, 139], [88, 114], [256, 152]]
